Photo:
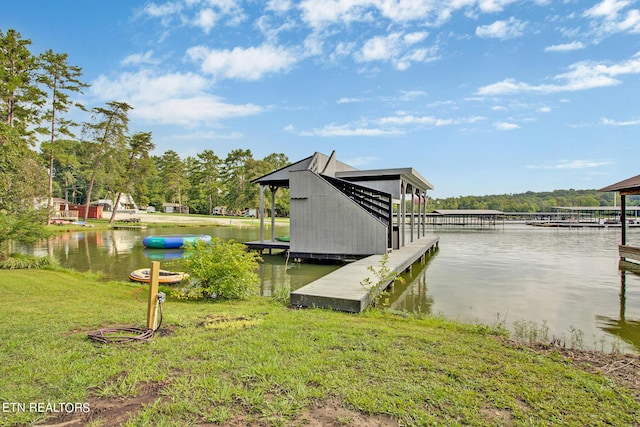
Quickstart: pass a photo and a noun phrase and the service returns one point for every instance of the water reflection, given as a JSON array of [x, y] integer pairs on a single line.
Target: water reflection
[[163, 254], [277, 271], [627, 330], [411, 295]]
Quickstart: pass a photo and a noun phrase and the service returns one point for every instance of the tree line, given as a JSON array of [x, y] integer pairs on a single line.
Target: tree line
[[532, 201]]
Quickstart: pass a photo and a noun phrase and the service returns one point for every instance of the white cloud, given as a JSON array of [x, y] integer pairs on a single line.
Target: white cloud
[[608, 9], [206, 19], [407, 95], [493, 6], [139, 59], [251, 63], [360, 161], [279, 6], [506, 126], [544, 109], [408, 119], [396, 48], [333, 130], [609, 17], [164, 10], [345, 100], [581, 76], [571, 164], [566, 47], [320, 13], [611, 122], [430, 13], [173, 98], [508, 29]]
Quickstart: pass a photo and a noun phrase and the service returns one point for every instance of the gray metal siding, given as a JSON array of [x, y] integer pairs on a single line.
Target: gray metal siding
[[325, 221]]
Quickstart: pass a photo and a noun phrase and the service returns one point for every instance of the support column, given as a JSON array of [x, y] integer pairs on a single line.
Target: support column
[[423, 216], [623, 217], [261, 213], [403, 208], [413, 211], [273, 190]]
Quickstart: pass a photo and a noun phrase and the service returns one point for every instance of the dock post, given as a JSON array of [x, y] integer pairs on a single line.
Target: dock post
[[153, 294]]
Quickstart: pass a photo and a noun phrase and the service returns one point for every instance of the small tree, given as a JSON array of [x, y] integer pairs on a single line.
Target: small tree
[[220, 269], [383, 275]]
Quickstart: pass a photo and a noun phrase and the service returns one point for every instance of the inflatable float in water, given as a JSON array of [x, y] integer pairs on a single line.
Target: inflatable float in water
[[173, 241], [165, 277]]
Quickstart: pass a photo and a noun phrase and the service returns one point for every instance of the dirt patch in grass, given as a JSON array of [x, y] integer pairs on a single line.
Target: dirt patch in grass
[[110, 411], [332, 413]]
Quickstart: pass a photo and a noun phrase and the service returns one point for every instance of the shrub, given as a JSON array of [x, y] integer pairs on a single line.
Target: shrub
[[220, 269], [21, 262]]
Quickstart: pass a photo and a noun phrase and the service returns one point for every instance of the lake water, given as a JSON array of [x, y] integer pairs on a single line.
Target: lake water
[[564, 279]]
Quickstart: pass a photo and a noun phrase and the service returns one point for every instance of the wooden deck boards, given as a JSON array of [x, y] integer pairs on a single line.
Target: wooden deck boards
[[342, 289]]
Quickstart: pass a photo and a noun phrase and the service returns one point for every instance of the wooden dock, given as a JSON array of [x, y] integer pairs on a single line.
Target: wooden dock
[[342, 289], [128, 227], [267, 245]]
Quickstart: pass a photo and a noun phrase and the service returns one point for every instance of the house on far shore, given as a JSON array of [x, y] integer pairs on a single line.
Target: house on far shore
[[175, 208], [125, 204], [338, 212], [61, 210]]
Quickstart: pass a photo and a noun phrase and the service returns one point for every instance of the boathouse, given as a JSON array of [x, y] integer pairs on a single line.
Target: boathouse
[[627, 187], [339, 212]]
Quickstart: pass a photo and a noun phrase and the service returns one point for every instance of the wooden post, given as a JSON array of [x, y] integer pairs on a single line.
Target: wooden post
[[261, 213], [273, 190], [153, 294], [623, 218]]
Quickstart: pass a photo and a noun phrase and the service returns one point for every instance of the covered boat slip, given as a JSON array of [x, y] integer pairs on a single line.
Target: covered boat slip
[[627, 187], [343, 288], [339, 212]]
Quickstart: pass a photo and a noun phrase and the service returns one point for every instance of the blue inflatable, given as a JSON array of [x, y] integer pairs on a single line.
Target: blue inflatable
[[173, 241]]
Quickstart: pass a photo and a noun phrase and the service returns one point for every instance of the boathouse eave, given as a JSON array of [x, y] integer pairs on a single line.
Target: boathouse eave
[[409, 175], [629, 186]]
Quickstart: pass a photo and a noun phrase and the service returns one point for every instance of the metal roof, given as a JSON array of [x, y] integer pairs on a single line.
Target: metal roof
[[409, 175], [468, 212], [596, 208], [318, 163], [328, 165], [629, 185]]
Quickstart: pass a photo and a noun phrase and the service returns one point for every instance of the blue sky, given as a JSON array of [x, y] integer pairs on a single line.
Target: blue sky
[[480, 96]]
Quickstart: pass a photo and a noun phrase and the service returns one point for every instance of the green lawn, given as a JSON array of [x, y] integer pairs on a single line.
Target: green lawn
[[259, 363]]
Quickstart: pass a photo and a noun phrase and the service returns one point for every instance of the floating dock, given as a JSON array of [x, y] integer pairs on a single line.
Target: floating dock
[[342, 289]]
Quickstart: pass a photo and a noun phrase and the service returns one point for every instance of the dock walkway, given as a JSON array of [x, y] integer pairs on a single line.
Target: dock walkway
[[342, 289]]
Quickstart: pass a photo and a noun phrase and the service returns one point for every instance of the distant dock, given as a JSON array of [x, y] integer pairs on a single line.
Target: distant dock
[[128, 227], [342, 289]]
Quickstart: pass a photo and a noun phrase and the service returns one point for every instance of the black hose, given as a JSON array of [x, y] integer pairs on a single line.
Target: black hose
[[124, 335]]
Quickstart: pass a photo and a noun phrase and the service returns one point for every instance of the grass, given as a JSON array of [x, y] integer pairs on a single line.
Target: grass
[[258, 362]]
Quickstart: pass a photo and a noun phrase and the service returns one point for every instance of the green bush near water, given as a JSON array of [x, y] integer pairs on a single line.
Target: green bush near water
[[220, 269], [256, 362]]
